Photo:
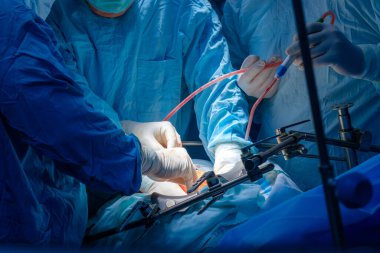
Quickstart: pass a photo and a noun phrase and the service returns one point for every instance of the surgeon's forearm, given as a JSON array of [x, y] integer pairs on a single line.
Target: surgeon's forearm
[[118, 175], [230, 115], [86, 144]]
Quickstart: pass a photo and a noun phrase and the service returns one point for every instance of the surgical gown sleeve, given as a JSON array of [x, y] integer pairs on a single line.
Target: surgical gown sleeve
[[39, 98], [222, 111], [368, 16]]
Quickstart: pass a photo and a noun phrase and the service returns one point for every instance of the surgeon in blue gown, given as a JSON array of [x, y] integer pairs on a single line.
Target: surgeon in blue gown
[[144, 57], [55, 135], [346, 69]]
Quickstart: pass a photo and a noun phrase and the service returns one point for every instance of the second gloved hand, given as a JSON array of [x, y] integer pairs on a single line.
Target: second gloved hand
[[256, 79], [173, 164], [156, 135], [329, 47], [228, 163]]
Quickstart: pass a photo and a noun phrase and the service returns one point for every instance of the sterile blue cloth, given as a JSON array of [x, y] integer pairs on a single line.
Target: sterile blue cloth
[[301, 223], [148, 60], [186, 231], [266, 28], [50, 127]]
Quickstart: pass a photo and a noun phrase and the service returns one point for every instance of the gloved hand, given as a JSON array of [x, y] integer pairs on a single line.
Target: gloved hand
[[156, 135], [254, 82], [166, 188], [173, 164], [228, 161], [329, 47]]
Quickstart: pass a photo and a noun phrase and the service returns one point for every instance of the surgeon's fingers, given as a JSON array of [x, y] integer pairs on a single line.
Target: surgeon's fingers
[[265, 84], [319, 43], [187, 179], [318, 32], [323, 58], [179, 140], [191, 173], [312, 28], [316, 54], [169, 136], [252, 72], [249, 61], [267, 77], [258, 77], [154, 144], [192, 179], [254, 65], [314, 40], [271, 67]]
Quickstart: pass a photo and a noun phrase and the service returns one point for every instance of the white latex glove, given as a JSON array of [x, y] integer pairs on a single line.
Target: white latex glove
[[173, 164], [254, 83], [166, 188], [228, 163], [156, 135], [329, 47]]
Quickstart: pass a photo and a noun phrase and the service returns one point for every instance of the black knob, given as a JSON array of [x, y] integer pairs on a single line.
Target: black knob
[[354, 190]]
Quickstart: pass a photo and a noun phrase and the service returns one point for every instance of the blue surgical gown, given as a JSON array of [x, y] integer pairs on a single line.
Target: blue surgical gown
[[54, 136], [266, 28], [148, 60], [40, 7]]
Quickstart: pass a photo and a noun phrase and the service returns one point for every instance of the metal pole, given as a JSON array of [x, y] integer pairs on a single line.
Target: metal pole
[[325, 167], [346, 132]]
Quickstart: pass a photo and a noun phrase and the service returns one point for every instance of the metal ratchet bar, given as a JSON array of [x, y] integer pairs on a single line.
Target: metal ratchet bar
[[272, 144], [191, 143], [335, 158]]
